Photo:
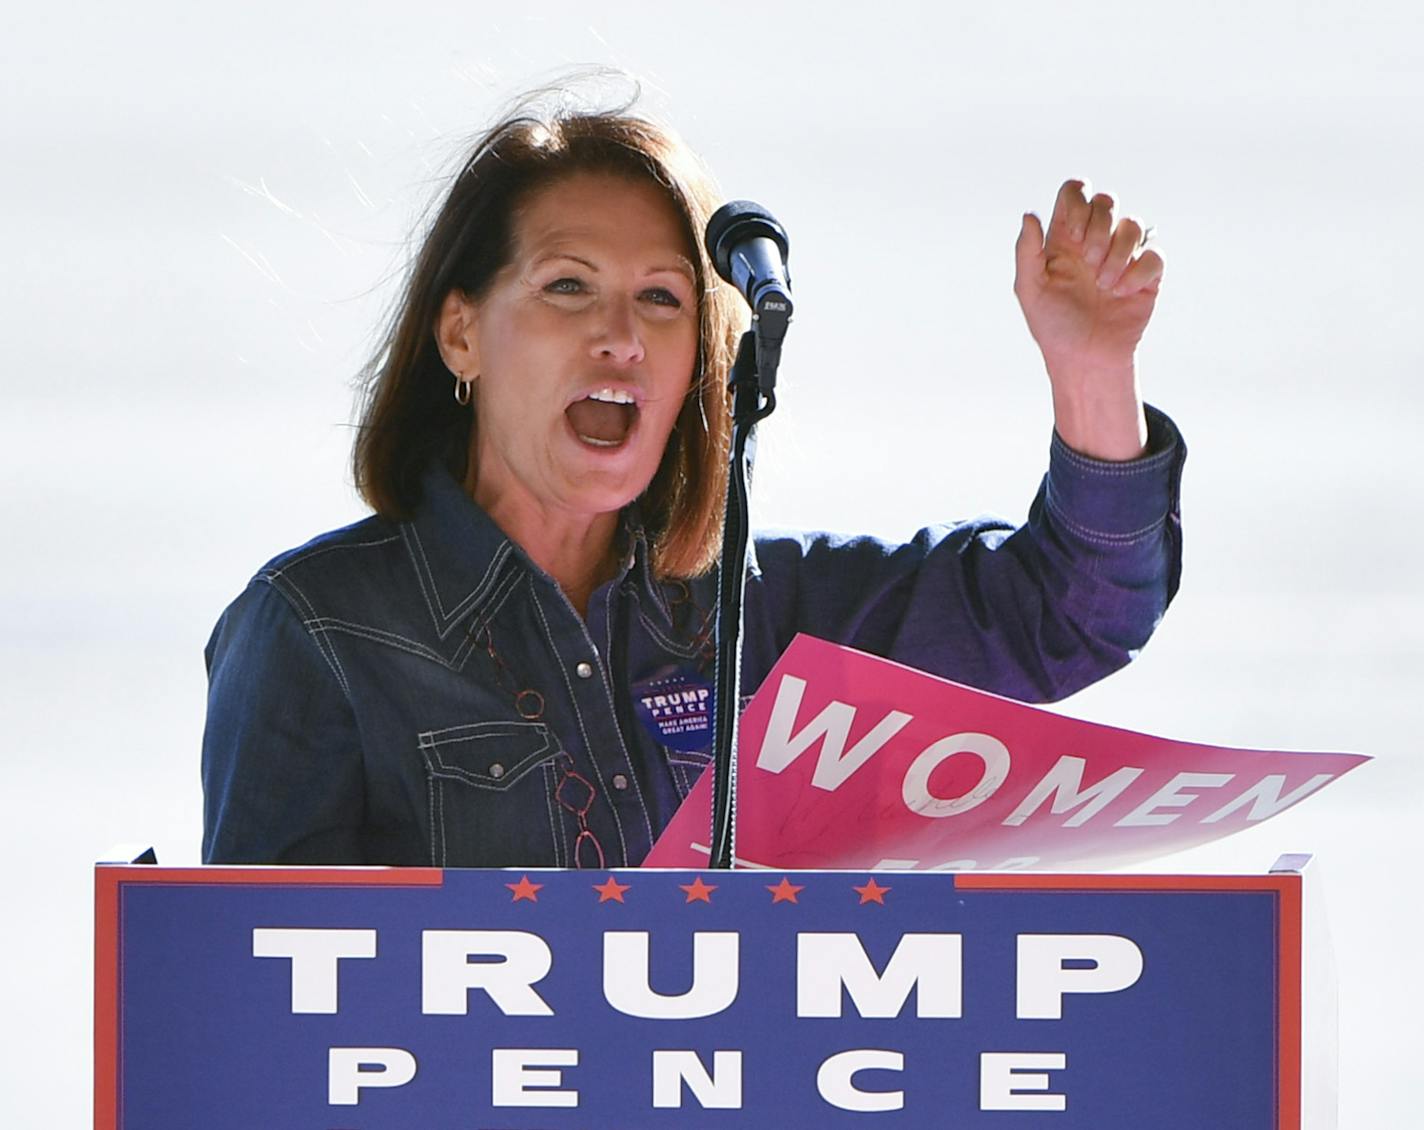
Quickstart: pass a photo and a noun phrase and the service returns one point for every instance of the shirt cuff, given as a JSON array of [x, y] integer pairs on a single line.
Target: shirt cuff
[[1118, 502]]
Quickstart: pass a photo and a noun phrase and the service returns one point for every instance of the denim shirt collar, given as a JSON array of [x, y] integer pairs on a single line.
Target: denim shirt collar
[[466, 564]]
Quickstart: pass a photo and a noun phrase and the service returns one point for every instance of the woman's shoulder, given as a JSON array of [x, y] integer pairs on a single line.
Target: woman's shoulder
[[339, 570], [335, 549]]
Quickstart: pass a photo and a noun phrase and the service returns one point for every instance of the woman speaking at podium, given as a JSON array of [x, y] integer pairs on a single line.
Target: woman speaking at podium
[[457, 680]]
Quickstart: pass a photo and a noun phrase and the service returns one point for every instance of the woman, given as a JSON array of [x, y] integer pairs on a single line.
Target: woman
[[458, 680]]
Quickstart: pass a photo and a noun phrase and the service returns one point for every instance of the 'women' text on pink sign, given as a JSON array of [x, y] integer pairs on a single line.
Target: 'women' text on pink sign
[[847, 760]]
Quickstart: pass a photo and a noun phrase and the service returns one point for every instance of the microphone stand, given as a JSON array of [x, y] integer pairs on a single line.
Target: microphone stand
[[753, 385]]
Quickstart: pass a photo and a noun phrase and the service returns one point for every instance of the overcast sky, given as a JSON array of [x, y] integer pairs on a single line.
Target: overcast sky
[[204, 211]]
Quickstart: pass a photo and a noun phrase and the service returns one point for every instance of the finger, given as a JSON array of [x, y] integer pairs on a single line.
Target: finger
[[1125, 240], [1028, 251], [1143, 274], [1099, 229], [1070, 212]]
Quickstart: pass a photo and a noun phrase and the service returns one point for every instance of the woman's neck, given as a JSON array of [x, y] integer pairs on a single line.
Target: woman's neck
[[577, 550]]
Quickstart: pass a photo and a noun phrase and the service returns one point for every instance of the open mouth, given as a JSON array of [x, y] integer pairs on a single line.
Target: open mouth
[[603, 418]]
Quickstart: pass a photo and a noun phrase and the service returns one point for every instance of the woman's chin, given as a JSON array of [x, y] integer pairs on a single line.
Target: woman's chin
[[601, 481]]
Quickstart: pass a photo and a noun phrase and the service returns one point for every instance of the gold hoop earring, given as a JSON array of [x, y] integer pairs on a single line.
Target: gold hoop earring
[[463, 391]]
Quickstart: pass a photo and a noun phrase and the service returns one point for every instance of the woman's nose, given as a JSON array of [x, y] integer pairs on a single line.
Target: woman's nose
[[618, 338]]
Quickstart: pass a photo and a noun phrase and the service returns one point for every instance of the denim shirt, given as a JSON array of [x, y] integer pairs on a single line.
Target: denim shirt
[[421, 693]]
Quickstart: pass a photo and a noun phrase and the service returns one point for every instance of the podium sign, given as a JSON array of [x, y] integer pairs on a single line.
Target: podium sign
[[349, 998]]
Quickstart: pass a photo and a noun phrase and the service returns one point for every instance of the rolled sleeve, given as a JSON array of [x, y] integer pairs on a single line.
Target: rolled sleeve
[[1118, 501], [1115, 504]]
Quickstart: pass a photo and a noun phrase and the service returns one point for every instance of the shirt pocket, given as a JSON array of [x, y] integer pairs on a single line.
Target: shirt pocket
[[491, 795], [686, 766]]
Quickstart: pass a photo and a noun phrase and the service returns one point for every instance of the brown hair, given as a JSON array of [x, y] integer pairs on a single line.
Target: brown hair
[[409, 416]]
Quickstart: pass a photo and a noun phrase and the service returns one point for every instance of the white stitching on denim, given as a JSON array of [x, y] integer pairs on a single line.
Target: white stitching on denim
[[1099, 537], [272, 576], [521, 769], [578, 715], [476, 731], [686, 758], [438, 772], [496, 601], [488, 585], [444, 841], [307, 555], [508, 726], [323, 645], [430, 817], [607, 648], [549, 806], [613, 714], [421, 569], [500, 597], [324, 624], [445, 621], [315, 623], [492, 785], [429, 803], [659, 599]]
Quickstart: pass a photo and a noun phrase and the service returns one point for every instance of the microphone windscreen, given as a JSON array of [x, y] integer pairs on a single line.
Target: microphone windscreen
[[736, 222]]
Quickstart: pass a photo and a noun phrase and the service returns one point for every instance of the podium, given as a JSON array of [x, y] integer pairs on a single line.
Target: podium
[[345, 998]]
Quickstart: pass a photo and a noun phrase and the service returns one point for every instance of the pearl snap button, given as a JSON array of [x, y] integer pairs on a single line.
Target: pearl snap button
[[496, 770], [585, 670], [619, 781]]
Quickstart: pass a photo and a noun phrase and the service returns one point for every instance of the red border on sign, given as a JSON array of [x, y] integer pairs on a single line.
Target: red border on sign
[[1288, 995], [1285, 886], [108, 959]]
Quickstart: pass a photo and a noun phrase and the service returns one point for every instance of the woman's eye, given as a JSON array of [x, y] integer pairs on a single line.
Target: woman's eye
[[661, 296], [565, 286]]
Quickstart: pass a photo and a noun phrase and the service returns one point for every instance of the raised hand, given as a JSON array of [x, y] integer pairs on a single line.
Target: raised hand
[[1087, 291]]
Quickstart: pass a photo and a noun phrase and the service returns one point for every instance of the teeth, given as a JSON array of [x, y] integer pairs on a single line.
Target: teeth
[[610, 396], [599, 442]]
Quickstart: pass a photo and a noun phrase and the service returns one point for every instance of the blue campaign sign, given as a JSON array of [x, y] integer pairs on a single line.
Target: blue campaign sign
[[322, 999]]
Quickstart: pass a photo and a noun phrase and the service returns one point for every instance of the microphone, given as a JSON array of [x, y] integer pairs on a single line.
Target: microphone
[[749, 249]]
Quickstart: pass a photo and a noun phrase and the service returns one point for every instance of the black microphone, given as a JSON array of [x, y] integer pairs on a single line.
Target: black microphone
[[749, 249]]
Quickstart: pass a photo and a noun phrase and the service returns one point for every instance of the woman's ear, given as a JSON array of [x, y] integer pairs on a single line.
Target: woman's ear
[[455, 335]]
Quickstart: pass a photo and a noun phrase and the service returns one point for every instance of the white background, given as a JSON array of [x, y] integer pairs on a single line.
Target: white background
[[204, 209]]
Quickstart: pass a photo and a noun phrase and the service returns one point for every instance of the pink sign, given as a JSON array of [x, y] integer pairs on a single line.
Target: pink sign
[[847, 760]]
